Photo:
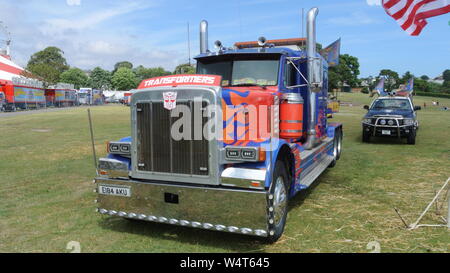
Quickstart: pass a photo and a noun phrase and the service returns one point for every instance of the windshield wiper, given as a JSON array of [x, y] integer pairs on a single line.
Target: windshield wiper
[[250, 84]]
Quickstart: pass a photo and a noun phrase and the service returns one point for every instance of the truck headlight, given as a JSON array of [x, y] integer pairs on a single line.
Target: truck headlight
[[119, 148], [253, 154], [383, 122], [391, 122], [408, 121], [112, 168]]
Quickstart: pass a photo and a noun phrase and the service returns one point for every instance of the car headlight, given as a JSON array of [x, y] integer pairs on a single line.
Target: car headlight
[[408, 121]]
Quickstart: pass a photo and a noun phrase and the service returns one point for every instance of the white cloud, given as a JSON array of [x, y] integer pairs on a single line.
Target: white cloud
[[353, 19], [73, 2], [373, 2]]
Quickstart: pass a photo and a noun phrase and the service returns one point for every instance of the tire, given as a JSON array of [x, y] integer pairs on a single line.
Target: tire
[[411, 140], [335, 150], [365, 137], [339, 150], [277, 201]]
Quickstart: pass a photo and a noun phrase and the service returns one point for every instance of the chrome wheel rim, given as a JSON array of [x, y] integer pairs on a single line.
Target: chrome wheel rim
[[280, 200]]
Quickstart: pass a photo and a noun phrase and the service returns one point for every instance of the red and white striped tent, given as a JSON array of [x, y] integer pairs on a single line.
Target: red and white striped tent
[[8, 69]]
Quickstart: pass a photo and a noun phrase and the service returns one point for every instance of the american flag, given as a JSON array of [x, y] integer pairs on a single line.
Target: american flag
[[411, 14]]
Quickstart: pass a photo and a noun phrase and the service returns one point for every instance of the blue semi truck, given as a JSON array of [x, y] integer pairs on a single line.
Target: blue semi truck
[[225, 149]]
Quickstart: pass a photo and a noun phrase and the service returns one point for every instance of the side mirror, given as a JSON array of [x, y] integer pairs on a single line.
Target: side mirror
[[366, 107], [417, 108]]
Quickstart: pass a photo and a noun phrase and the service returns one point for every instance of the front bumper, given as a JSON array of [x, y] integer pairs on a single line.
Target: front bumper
[[214, 208], [394, 131]]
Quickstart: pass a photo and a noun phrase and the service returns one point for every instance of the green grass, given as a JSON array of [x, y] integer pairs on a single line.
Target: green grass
[[47, 199]]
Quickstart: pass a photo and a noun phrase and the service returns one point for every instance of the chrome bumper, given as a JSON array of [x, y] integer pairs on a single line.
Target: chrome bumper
[[230, 210]]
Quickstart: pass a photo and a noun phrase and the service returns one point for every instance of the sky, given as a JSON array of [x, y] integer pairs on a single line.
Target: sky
[[154, 32]]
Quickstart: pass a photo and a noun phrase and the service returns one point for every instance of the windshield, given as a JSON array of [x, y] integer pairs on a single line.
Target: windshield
[[392, 104], [243, 72]]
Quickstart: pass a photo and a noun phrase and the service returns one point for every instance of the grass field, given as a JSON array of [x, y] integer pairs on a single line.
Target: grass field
[[47, 199]]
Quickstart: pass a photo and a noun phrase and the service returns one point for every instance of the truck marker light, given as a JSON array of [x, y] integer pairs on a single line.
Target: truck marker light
[[142, 216], [220, 227], [122, 214], [246, 230], [207, 225], [271, 209], [260, 232], [196, 224], [270, 196], [233, 229], [162, 219], [271, 233], [103, 211], [132, 215], [112, 212], [262, 154], [102, 172], [184, 222], [256, 184], [152, 218]]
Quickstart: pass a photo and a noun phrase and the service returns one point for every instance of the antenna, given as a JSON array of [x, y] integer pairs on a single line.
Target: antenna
[[303, 22], [189, 44]]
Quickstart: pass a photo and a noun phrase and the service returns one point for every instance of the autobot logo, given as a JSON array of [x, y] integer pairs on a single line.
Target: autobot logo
[[170, 100]]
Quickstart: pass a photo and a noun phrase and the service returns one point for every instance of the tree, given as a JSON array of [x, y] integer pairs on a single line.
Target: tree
[[184, 69], [48, 64], [425, 77], [75, 76], [346, 72], [406, 77], [101, 79], [122, 64], [124, 79], [392, 79], [143, 73], [446, 76]]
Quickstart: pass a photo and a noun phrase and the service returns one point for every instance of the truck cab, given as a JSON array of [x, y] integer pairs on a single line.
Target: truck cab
[[226, 148], [391, 116]]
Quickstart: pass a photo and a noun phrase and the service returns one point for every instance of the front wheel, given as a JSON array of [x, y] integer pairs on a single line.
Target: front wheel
[[412, 138], [278, 201], [365, 136]]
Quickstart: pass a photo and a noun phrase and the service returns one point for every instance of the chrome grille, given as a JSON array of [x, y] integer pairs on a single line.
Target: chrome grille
[[158, 152]]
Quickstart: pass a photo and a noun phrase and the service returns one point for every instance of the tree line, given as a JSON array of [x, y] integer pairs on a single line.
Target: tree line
[[50, 66]]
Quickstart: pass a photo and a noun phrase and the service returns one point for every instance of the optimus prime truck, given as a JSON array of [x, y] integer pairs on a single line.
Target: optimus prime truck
[[225, 149]]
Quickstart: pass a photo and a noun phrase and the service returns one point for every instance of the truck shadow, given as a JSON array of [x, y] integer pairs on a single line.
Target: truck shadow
[[213, 240]]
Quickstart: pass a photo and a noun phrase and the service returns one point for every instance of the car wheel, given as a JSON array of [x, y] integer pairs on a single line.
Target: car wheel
[[365, 137], [278, 202], [412, 138]]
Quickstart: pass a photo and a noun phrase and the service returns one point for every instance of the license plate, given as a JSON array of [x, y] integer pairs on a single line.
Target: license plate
[[385, 132], [114, 190]]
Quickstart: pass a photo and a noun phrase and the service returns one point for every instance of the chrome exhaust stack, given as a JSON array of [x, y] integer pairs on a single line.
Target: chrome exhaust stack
[[313, 80], [203, 37]]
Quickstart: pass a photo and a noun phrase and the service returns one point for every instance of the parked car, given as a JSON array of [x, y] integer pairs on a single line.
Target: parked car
[[391, 116]]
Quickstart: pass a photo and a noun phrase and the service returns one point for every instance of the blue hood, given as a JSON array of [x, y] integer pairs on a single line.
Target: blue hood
[[387, 112]]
